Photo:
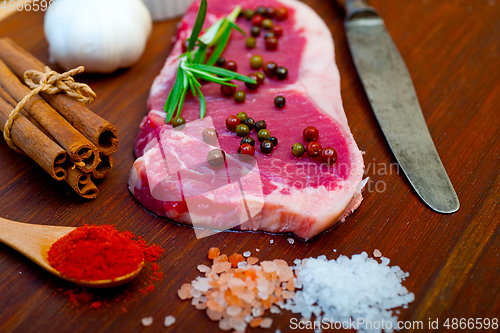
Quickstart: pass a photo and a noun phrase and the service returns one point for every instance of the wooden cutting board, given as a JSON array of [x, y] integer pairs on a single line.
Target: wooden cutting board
[[452, 50]]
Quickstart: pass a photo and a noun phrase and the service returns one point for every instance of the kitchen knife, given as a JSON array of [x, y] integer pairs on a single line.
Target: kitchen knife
[[392, 96]]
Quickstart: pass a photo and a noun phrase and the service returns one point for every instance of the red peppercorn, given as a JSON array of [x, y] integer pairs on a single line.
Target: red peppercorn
[[232, 122], [231, 66], [227, 91], [313, 149], [270, 68], [271, 43], [253, 86], [210, 136], [257, 20], [281, 13], [270, 12], [328, 156], [310, 134], [278, 31], [246, 149]]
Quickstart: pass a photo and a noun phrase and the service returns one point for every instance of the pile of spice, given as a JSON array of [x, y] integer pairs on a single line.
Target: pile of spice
[[237, 292], [93, 253]]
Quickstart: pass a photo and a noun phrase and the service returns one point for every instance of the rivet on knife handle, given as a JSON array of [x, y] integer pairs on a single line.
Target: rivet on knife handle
[[394, 101]]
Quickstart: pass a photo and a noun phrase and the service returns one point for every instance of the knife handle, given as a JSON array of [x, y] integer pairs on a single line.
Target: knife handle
[[357, 8]]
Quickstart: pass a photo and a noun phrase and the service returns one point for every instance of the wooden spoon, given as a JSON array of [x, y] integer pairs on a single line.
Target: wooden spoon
[[34, 241]]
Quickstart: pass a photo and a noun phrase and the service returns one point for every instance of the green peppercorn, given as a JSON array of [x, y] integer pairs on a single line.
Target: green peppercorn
[[263, 134], [239, 96], [281, 73], [266, 147], [261, 124], [274, 141], [260, 76], [267, 24], [220, 62], [251, 43], [256, 61], [248, 14], [250, 123], [255, 31], [298, 150], [242, 130], [279, 101], [178, 122], [247, 139], [242, 116]]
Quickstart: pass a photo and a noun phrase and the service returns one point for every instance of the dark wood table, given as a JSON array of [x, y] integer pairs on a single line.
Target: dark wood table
[[452, 50]]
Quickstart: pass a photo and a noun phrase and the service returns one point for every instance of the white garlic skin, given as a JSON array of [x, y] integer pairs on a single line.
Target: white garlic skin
[[102, 35]]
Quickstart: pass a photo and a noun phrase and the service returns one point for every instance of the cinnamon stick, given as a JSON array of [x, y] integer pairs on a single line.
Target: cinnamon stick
[[79, 148], [35, 143], [98, 130], [104, 167], [81, 183]]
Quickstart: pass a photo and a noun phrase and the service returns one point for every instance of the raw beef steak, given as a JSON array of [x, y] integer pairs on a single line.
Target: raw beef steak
[[298, 195]]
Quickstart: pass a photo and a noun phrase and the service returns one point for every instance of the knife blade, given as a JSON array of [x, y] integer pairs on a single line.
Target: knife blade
[[392, 96]]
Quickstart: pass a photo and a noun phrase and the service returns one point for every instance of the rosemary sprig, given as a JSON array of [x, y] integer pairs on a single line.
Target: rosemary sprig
[[192, 64]]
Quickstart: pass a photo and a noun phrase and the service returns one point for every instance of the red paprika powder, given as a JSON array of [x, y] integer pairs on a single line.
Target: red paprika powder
[[94, 253]]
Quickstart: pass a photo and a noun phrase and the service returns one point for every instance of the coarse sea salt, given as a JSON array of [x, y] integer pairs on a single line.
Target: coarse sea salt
[[169, 321], [358, 288], [147, 321]]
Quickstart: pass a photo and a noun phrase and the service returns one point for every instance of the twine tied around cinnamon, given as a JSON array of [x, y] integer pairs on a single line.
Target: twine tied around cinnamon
[[51, 83]]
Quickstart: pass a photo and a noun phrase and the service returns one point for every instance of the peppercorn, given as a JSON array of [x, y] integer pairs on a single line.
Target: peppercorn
[[239, 96], [246, 149], [267, 24], [216, 158], [298, 149], [260, 76], [271, 43], [178, 122], [242, 130], [255, 31], [242, 116], [227, 91], [210, 136], [250, 43], [310, 134], [263, 134], [281, 13], [261, 10], [248, 14], [261, 124], [270, 12], [231, 66], [256, 61], [278, 31], [313, 149], [270, 69], [247, 139], [232, 122], [274, 141], [257, 20], [279, 101], [328, 156], [253, 86], [220, 62], [269, 34], [281, 73], [266, 147], [250, 123]]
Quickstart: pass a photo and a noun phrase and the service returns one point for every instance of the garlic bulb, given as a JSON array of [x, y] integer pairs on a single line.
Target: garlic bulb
[[102, 35]]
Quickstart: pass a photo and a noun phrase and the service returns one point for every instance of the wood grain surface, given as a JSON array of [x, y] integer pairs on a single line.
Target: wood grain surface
[[452, 50]]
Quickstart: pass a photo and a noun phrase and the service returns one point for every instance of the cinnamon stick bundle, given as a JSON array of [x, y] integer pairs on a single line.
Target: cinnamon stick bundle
[[35, 143], [98, 130], [104, 167], [81, 183], [79, 148]]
